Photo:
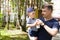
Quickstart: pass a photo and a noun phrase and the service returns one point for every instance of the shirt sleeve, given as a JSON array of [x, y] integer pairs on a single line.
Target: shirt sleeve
[[56, 25], [28, 21]]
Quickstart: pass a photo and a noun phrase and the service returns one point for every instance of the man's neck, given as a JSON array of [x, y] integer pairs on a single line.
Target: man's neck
[[48, 18]]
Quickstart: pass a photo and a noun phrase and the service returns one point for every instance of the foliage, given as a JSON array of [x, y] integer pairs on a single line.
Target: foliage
[[48, 0]]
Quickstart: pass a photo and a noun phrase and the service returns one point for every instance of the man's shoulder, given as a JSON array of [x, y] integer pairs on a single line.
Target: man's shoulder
[[41, 18], [54, 20]]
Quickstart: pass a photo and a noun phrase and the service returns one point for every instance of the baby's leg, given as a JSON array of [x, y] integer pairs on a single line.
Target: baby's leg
[[32, 38], [32, 35]]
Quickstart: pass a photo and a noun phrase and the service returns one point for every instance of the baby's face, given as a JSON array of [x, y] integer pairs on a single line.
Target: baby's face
[[32, 14]]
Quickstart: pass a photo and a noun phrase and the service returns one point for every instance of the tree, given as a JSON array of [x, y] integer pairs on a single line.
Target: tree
[[0, 6], [48, 0]]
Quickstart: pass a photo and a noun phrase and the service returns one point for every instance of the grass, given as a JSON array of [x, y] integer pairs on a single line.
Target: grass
[[5, 35]]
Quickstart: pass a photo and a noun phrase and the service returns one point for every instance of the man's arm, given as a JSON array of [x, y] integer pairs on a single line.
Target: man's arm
[[52, 31]]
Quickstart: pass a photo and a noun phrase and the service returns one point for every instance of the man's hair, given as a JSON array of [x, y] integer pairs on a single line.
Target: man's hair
[[50, 7]]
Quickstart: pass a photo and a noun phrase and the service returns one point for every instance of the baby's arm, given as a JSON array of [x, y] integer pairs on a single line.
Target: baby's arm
[[31, 25]]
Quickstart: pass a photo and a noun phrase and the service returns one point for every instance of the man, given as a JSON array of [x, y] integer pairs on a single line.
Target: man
[[32, 30], [49, 26]]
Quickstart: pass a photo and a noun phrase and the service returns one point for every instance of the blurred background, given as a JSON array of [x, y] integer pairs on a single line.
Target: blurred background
[[13, 17]]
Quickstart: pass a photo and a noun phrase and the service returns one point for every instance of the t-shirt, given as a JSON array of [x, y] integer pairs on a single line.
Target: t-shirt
[[31, 21], [59, 24], [42, 33]]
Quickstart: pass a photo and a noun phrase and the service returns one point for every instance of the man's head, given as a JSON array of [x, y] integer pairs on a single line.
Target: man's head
[[30, 12], [47, 10]]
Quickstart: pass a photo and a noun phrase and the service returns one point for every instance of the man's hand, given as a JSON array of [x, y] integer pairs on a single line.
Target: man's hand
[[38, 22]]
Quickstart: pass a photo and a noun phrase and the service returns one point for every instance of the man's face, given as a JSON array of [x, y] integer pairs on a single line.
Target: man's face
[[46, 12], [32, 14]]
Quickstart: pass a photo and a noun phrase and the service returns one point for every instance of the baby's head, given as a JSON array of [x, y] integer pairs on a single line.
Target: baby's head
[[30, 12]]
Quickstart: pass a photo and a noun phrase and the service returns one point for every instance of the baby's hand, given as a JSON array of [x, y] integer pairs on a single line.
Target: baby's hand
[[38, 21]]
